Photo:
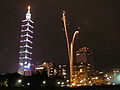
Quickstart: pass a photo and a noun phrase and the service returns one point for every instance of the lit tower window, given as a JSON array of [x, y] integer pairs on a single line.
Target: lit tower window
[[25, 54]]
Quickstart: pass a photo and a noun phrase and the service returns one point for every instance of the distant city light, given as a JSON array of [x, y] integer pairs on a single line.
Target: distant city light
[[25, 62], [21, 64], [67, 80], [118, 78], [19, 81], [44, 82], [73, 84], [62, 83], [58, 82], [28, 84]]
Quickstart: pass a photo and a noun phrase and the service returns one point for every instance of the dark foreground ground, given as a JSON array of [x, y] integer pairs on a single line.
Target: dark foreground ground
[[67, 88]]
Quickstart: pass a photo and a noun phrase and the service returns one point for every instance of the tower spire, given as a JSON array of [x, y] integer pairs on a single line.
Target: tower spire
[[29, 8], [25, 54], [28, 14]]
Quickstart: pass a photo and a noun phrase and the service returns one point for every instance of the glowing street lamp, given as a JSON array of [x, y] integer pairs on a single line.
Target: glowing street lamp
[[58, 82], [44, 82], [19, 81]]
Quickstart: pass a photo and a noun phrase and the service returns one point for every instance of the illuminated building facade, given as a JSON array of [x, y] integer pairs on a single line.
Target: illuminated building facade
[[25, 54], [39, 68], [63, 71], [84, 55], [115, 76], [83, 67], [116, 71], [80, 74], [50, 68]]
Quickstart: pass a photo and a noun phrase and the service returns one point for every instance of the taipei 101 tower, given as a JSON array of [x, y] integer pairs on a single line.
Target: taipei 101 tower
[[25, 54]]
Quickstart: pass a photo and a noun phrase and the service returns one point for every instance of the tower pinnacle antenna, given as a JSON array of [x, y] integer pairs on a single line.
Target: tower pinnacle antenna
[[28, 14], [29, 7]]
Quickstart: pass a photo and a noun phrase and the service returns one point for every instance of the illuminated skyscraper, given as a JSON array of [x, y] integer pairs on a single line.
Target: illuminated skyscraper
[[83, 67], [84, 55], [26, 46]]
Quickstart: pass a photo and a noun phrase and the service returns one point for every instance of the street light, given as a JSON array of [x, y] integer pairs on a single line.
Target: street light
[[19, 81], [44, 82]]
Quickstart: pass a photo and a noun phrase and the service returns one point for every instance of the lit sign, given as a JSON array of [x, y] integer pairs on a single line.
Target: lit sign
[[26, 67]]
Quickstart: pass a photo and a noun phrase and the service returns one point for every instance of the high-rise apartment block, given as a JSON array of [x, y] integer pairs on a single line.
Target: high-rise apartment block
[[84, 55], [83, 66]]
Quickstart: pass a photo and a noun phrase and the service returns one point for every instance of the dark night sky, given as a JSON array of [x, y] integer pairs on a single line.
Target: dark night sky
[[99, 21]]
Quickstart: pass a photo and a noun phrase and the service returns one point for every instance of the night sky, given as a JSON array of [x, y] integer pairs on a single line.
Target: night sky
[[99, 22]]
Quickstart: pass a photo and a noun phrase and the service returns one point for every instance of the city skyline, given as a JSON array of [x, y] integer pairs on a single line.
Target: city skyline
[[99, 30]]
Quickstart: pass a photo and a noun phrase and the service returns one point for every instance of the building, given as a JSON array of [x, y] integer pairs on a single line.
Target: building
[[63, 71], [115, 76], [85, 55], [50, 68], [116, 71], [39, 68], [83, 67], [25, 54], [81, 74]]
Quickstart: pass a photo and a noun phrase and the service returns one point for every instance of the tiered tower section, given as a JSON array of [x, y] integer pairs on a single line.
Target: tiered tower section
[[26, 46]]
